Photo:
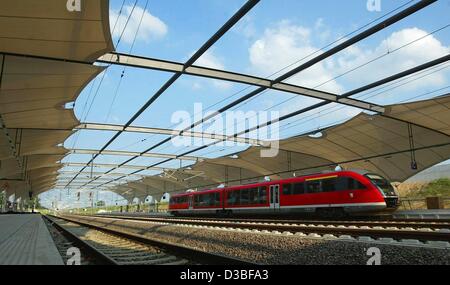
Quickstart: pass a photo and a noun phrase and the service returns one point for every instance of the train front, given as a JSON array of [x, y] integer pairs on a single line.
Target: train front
[[386, 190]]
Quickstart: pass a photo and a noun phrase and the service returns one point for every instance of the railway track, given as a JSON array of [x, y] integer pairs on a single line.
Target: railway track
[[119, 248], [420, 231], [371, 223]]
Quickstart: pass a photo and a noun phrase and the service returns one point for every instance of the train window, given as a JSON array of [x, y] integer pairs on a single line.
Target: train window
[[204, 200], [233, 197], [262, 195], [255, 196], [356, 185], [342, 184], [211, 199], [287, 189], [252, 193], [299, 188], [244, 196], [196, 200], [230, 198], [329, 185], [313, 187], [237, 195], [217, 200], [294, 189]]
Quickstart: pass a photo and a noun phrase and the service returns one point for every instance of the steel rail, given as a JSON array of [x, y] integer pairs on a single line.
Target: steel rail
[[398, 234], [81, 243], [175, 249], [436, 224]]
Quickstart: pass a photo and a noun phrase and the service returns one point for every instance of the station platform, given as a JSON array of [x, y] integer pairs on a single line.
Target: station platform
[[25, 240]]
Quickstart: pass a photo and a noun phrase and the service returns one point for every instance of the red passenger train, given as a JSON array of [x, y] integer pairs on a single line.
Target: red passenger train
[[332, 194]]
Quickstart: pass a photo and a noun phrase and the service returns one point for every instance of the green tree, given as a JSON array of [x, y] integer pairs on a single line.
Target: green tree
[[37, 203], [2, 199]]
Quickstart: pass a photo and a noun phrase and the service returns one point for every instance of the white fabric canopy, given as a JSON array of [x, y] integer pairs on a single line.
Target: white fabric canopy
[[36, 39]]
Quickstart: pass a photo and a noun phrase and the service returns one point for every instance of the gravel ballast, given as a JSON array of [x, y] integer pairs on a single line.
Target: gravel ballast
[[275, 249]]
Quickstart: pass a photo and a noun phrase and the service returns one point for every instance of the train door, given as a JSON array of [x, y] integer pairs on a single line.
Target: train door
[[274, 192]]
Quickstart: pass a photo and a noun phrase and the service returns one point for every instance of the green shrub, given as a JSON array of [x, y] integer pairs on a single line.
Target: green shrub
[[439, 187]]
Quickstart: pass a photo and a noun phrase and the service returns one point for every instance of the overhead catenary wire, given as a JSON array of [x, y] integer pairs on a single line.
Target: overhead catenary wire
[[338, 108], [333, 164], [380, 26], [350, 93], [83, 116], [285, 76], [363, 65], [95, 80], [388, 87], [226, 27], [333, 109], [290, 65], [306, 65], [122, 75], [348, 71], [85, 112], [117, 45]]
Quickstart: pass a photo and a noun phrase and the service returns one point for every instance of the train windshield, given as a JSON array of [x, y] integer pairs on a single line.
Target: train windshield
[[382, 184]]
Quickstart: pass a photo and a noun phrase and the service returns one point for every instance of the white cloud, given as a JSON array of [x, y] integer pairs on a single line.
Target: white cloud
[[283, 45], [196, 86], [246, 27], [151, 27], [424, 50], [286, 43], [322, 31], [208, 59]]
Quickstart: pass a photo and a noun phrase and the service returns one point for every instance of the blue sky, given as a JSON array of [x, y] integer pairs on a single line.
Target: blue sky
[[273, 35]]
